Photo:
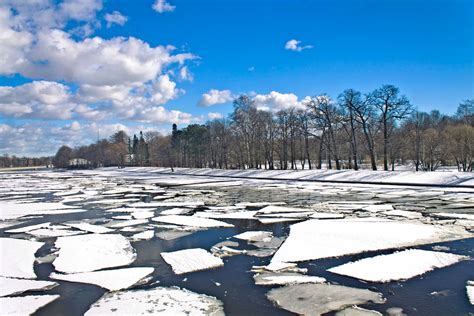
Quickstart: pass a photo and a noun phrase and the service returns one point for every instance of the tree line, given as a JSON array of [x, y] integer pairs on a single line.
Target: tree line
[[376, 130], [7, 161]]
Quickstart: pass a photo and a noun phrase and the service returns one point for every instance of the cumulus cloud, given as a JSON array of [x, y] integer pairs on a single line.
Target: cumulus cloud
[[115, 18], [294, 45], [276, 101], [185, 74], [214, 97], [162, 6], [214, 115]]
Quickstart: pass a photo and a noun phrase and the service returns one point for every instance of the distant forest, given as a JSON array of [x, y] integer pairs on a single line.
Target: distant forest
[[380, 129]]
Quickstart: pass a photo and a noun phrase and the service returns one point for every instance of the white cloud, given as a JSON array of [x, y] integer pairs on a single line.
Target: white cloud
[[294, 45], [185, 74], [276, 101], [215, 97], [162, 6], [115, 18], [214, 115]]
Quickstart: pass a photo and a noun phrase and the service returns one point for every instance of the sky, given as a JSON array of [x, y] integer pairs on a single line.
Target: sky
[[75, 70]]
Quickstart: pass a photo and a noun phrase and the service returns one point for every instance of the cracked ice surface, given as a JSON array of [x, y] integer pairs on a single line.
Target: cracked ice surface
[[401, 265], [18, 257], [190, 260], [113, 280], [315, 239], [9, 286], [157, 301], [15, 210], [317, 299], [85, 253], [24, 305]]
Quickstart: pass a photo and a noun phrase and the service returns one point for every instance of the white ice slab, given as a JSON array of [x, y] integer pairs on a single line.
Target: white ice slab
[[27, 228], [175, 211], [470, 291], [143, 214], [128, 209], [325, 215], [455, 215], [157, 301], [168, 204], [229, 215], [401, 265], [190, 260], [190, 221], [283, 209], [407, 214], [9, 286], [12, 210], [378, 208], [24, 305], [285, 279], [18, 257], [113, 280], [273, 220], [85, 253], [97, 229], [132, 222], [146, 235], [53, 231], [316, 239], [254, 235]]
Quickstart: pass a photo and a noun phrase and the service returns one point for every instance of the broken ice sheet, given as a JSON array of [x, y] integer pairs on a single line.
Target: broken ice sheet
[[159, 301], [357, 311], [9, 286], [172, 234], [271, 278], [401, 265], [470, 291], [18, 257], [255, 235], [317, 299], [12, 210], [190, 260], [146, 235], [24, 305], [85, 253], [90, 228], [191, 221], [113, 280], [316, 239]]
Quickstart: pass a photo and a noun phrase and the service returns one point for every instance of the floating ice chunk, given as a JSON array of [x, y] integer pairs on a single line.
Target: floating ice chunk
[[357, 311], [277, 220], [324, 215], [378, 208], [128, 209], [407, 214], [27, 228], [270, 278], [123, 217], [401, 265], [302, 215], [24, 305], [85, 253], [283, 209], [317, 299], [18, 257], [190, 221], [172, 235], [143, 214], [12, 210], [230, 215], [157, 301], [132, 222], [254, 235], [470, 291], [315, 239], [258, 204], [146, 235], [53, 231], [190, 260], [97, 229], [168, 204], [113, 280], [175, 211], [9, 286], [455, 215]]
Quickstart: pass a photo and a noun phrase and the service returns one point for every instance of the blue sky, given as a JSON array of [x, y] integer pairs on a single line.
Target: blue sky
[[423, 47]]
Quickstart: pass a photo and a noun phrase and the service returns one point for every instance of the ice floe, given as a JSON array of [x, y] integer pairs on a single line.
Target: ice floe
[[113, 280], [157, 301], [18, 257], [315, 239], [317, 299], [470, 291], [190, 221], [9, 286], [190, 260], [270, 278], [146, 235], [90, 228], [85, 253], [24, 305], [254, 235], [401, 265], [12, 210], [131, 222], [357, 311]]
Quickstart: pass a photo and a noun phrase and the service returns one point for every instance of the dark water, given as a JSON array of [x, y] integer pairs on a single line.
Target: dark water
[[233, 284]]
